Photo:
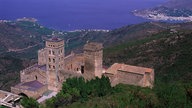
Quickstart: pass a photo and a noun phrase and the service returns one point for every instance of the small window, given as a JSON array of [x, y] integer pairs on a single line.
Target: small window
[[53, 52], [49, 52], [53, 60], [82, 69], [53, 67], [58, 78], [49, 59], [49, 66], [35, 77]]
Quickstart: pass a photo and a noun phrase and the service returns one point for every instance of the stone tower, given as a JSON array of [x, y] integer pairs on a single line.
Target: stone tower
[[93, 58], [54, 61]]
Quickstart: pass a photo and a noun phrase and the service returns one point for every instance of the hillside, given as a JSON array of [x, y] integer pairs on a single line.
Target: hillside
[[17, 35], [170, 54], [21, 38]]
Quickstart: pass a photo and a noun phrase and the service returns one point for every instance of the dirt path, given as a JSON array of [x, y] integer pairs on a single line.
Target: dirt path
[[22, 49]]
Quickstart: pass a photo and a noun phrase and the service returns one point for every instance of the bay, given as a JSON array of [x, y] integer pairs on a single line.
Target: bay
[[77, 14]]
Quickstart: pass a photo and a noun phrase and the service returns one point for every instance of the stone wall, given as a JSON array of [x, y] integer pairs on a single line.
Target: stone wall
[[36, 74], [55, 61], [130, 78], [93, 60], [74, 62], [149, 79]]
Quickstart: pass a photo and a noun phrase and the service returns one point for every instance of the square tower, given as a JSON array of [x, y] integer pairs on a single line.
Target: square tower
[[54, 61], [93, 59]]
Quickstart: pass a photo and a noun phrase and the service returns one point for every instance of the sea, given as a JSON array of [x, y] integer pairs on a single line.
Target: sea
[[71, 15]]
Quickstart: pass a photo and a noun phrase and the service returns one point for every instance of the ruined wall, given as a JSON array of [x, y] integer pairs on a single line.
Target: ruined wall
[[93, 60], [42, 57], [36, 74], [74, 62], [33, 94]]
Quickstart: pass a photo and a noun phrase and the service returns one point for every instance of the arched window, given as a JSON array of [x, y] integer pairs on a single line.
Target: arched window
[[35, 77], [82, 69]]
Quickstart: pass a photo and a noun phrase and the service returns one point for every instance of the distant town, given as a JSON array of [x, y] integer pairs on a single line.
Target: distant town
[[165, 14]]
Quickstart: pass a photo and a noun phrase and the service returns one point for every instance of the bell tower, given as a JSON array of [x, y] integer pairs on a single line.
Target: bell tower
[[93, 58], [54, 61]]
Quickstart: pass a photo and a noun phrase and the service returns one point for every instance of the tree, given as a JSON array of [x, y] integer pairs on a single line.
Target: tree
[[29, 103]]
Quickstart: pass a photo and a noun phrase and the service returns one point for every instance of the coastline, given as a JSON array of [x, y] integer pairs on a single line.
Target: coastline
[[163, 17]]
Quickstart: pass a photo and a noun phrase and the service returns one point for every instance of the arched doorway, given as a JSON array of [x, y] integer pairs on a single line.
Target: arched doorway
[[23, 95]]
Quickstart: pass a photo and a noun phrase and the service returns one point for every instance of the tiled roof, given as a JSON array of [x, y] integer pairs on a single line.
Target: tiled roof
[[128, 68], [113, 69], [42, 67], [32, 85]]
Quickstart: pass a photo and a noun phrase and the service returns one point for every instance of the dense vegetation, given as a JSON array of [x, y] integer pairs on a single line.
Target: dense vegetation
[[29, 103], [9, 67], [79, 90], [76, 93]]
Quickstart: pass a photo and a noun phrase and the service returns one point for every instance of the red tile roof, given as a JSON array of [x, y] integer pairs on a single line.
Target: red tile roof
[[128, 68]]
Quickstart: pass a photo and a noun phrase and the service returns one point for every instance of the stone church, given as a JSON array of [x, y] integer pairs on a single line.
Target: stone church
[[54, 67]]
